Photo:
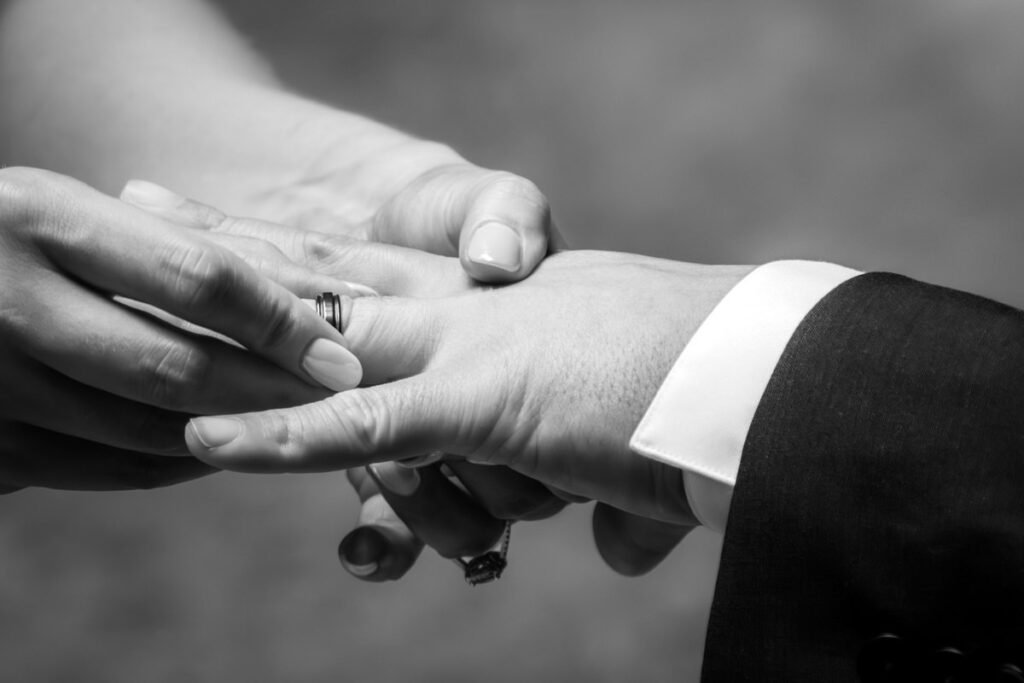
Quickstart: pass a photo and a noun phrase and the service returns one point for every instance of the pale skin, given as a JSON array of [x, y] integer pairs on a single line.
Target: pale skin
[[547, 377], [93, 388], [114, 89]]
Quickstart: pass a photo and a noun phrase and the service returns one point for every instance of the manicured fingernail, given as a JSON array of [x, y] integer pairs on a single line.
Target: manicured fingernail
[[332, 365], [400, 480], [214, 432], [362, 551], [149, 194], [495, 244]]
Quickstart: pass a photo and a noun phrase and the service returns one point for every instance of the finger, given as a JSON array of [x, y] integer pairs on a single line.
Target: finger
[[633, 545], [170, 206], [100, 343], [385, 268], [499, 223], [271, 263], [393, 337], [122, 250], [261, 254], [59, 404], [436, 510], [506, 494], [506, 229], [30, 456], [381, 547], [386, 422]]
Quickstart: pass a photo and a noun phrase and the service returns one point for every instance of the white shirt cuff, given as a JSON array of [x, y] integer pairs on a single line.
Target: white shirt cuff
[[700, 417]]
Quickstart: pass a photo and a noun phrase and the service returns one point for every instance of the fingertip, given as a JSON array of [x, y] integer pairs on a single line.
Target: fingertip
[[204, 435], [494, 252], [507, 230], [375, 553]]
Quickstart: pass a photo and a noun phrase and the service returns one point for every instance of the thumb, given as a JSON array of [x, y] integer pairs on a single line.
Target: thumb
[[390, 421], [499, 223]]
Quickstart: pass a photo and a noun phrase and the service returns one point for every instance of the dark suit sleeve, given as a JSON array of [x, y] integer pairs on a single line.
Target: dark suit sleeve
[[881, 491]]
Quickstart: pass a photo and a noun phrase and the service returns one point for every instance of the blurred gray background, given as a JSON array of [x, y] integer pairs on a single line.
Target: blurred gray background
[[882, 134]]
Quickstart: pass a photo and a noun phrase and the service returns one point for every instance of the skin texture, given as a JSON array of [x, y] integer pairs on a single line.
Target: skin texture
[[186, 102], [548, 377], [90, 381], [440, 297]]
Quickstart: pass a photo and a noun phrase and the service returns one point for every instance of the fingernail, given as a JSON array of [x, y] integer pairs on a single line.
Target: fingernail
[[495, 244], [332, 365], [214, 432], [400, 480], [360, 569], [362, 551], [150, 194]]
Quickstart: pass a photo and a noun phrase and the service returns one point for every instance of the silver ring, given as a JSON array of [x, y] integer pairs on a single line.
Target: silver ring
[[328, 307]]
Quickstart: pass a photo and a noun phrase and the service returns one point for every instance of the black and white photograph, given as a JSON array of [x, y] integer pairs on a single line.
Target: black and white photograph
[[451, 342]]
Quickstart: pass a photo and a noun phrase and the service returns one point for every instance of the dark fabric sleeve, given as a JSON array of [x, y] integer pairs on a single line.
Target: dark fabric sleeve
[[881, 490]]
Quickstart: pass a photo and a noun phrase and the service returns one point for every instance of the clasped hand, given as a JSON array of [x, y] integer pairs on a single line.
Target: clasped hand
[[547, 377]]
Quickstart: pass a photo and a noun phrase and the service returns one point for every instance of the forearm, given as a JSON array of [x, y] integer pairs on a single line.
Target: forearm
[[114, 89]]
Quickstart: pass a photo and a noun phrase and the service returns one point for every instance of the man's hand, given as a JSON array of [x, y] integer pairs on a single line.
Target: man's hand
[[97, 383], [384, 547]]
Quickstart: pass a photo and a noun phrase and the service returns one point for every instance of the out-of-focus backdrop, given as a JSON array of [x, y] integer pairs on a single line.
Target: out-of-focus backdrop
[[879, 134]]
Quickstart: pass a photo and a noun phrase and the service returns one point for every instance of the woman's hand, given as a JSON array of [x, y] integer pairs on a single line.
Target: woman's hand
[[548, 377], [415, 193], [97, 383], [219, 126]]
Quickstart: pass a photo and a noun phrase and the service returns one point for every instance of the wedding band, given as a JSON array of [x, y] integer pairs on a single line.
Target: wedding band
[[328, 307]]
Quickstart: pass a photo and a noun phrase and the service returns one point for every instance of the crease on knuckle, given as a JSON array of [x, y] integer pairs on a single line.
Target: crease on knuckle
[[364, 420], [204, 277], [318, 249], [284, 431], [177, 375]]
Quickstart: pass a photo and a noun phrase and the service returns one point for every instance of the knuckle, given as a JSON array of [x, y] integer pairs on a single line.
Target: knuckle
[[176, 375], [204, 276], [365, 422], [283, 430], [318, 248]]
